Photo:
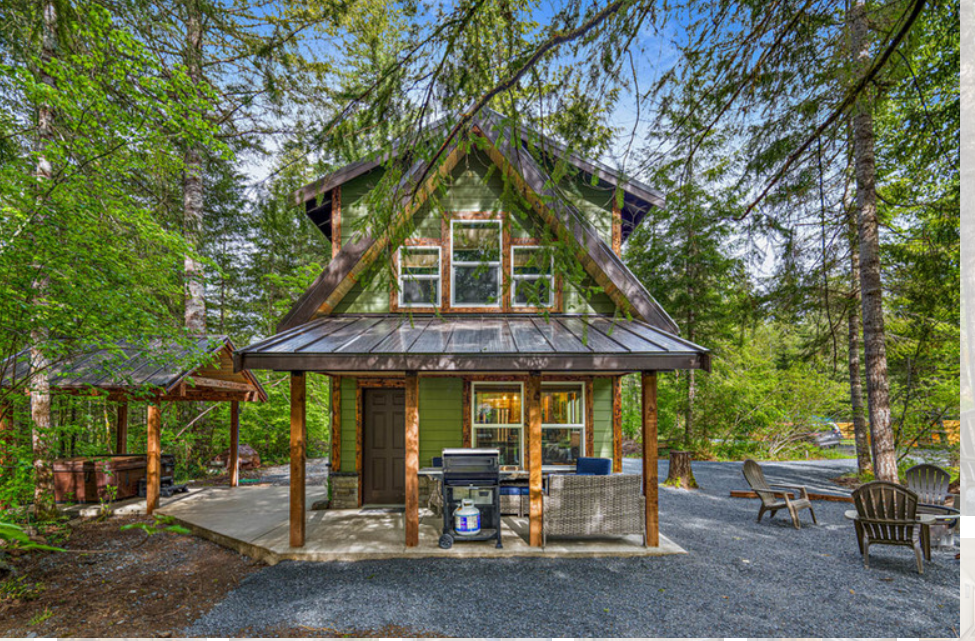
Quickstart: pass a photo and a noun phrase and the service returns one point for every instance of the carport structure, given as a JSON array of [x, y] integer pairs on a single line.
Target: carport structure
[[154, 372]]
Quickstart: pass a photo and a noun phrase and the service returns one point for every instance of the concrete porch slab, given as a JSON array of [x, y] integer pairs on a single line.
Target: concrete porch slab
[[254, 521], [126, 507]]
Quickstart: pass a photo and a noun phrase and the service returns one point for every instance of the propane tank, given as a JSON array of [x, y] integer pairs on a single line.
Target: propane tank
[[467, 518]]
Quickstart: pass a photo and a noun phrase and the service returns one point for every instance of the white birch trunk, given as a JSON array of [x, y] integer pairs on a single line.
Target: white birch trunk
[[195, 309], [40, 398]]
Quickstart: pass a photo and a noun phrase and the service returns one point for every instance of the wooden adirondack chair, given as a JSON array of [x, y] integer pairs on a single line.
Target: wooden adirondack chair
[[886, 514], [930, 483], [774, 499]]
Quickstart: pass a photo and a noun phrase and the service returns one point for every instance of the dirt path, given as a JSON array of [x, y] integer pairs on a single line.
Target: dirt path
[[127, 585]]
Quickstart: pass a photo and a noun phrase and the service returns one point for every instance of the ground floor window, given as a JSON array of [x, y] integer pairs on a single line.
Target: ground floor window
[[563, 423], [498, 420]]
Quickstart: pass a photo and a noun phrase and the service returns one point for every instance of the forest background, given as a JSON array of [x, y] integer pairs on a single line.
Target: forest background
[[808, 150]]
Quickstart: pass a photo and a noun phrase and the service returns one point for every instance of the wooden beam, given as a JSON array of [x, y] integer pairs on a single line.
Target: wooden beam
[[358, 442], [465, 419], [412, 460], [336, 220], [589, 419], [617, 425], [297, 529], [813, 496], [233, 461], [122, 428], [153, 456], [200, 382], [650, 481], [617, 228], [336, 425], [533, 396]]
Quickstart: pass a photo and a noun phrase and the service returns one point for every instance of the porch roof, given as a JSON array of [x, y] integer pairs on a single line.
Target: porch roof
[[472, 343]]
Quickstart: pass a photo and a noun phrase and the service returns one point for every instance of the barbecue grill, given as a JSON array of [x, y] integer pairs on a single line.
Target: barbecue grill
[[471, 474]]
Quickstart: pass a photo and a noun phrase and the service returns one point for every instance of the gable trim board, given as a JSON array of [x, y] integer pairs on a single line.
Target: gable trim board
[[598, 258]]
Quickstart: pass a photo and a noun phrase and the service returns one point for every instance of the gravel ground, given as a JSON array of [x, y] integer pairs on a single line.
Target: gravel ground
[[316, 472], [739, 579]]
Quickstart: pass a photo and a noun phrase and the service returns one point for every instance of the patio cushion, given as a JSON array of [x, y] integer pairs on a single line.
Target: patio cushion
[[514, 490], [587, 466]]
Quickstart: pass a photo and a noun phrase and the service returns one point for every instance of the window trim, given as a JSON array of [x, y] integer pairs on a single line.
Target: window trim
[[499, 263], [581, 426], [496, 426], [438, 277], [515, 279]]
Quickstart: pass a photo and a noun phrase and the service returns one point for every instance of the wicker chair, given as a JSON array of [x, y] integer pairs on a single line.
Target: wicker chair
[[593, 505], [886, 514], [774, 499]]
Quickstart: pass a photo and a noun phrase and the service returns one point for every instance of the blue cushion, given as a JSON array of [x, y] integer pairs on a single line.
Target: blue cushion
[[586, 466], [438, 461], [514, 490]]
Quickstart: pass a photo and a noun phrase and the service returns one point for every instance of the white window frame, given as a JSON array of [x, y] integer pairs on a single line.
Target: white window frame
[[455, 264], [520, 426], [515, 279], [582, 425], [438, 277]]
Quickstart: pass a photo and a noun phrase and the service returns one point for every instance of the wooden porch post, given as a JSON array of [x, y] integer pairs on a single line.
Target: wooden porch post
[[533, 396], [617, 425], [153, 456], [122, 428], [650, 481], [412, 460], [233, 461], [297, 538]]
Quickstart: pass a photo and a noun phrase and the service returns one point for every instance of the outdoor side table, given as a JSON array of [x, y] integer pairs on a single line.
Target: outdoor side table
[[945, 518]]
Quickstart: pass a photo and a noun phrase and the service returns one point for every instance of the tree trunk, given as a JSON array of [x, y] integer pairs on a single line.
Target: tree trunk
[[871, 293], [860, 435], [195, 311], [679, 473], [40, 398]]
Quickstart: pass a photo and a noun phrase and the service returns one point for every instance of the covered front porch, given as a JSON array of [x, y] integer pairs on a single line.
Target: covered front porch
[[255, 521], [398, 351]]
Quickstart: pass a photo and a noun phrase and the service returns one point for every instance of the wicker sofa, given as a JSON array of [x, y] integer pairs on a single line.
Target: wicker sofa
[[593, 505]]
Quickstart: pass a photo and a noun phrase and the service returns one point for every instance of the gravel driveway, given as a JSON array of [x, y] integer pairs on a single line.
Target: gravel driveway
[[739, 579]]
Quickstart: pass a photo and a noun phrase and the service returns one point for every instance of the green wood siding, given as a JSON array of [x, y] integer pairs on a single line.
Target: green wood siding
[[441, 413], [602, 417], [441, 416], [474, 185], [348, 424]]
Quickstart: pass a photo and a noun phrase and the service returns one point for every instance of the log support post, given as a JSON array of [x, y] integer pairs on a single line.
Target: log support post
[[533, 397], [651, 535], [297, 512], [233, 461], [153, 456], [412, 460], [122, 428]]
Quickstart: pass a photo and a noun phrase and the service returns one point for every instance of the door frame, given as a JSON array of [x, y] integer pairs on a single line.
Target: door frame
[[361, 384]]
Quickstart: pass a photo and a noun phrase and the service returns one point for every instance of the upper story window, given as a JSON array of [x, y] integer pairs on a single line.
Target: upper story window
[[532, 277], [419, 276], [475, 263]]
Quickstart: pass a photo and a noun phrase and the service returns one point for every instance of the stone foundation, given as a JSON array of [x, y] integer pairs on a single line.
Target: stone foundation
[[345, 491]]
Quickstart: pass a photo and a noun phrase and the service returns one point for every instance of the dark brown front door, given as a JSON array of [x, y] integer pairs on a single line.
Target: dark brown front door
[[384, 446]]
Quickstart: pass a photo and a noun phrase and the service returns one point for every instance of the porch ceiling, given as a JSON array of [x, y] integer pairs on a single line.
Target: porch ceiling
[[472, 343]]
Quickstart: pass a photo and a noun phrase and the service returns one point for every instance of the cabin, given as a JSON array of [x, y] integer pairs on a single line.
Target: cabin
[[481, 341]]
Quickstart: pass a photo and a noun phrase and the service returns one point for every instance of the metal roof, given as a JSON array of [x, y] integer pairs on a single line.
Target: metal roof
[[472, 343], [127, 366]]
